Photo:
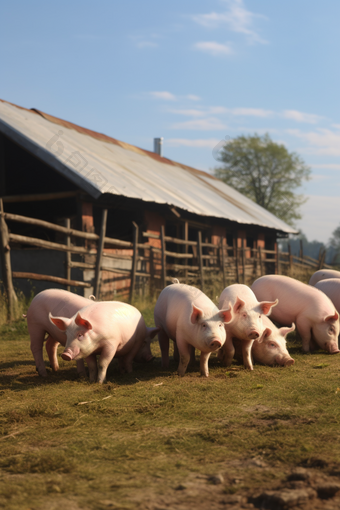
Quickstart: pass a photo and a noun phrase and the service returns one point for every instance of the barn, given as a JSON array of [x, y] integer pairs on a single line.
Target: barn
[[53, 170]]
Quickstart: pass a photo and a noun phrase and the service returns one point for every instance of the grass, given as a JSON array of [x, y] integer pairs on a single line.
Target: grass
[[152, 440]]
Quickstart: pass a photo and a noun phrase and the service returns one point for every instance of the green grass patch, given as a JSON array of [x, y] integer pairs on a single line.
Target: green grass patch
[[144, 436]]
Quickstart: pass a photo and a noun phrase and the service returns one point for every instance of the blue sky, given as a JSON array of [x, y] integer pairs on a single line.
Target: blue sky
[[194, 72]]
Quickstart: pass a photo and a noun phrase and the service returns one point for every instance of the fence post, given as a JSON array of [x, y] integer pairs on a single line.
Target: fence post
[[290, 257], [261, 261], [163, 279], [186, 237], [277, 259], [243, 254], [6, 264], [223, 263], [200, 259], [237, 265], [68, 254], [134, 261], [100, 248]]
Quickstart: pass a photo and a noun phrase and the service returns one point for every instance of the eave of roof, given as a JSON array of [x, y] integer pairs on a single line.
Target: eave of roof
[[129, 170]]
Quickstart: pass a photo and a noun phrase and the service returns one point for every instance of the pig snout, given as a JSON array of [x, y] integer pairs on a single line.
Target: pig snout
[[215, 344], [332, 348], [68, 355], [288, 362], [253, 334]]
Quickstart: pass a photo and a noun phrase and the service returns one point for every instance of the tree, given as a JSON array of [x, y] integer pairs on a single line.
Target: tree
[[266, 172], [334, 241]]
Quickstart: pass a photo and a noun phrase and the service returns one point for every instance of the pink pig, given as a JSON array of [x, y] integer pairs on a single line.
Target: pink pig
[[312, 311], [187, 316], [323, 274], [56, 301], [246, 324], [271, 349], [108, 328], [331, 288]]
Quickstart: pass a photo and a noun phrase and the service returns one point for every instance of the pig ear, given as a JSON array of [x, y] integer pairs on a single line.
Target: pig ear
[[285, 331], [60, 322], [238, 305], [82, 323], [152, 332], [266, 306], [227, 314], [196, 315], [332, 317], [267, 332]]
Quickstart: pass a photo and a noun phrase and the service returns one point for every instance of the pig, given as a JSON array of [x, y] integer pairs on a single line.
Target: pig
[[38, 324], [331, 288], [108, 328], [187, 316], [246, 324], [271, 349], [315, 316], [323, 274]]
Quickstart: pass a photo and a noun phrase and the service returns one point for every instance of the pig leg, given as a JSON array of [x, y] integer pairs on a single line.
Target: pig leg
[[105, 359], [129, 357], [246, 353], [37, 335], [305, 335], [163, 340], [176, 353], [192, 354], [204, 363], [92, 365], [184, 350], [227, 351], [51, 349]]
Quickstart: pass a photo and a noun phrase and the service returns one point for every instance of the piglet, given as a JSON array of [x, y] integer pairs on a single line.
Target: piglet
[[314, 314], [187, 316], [108, 328], [246, 325], [55, 301]]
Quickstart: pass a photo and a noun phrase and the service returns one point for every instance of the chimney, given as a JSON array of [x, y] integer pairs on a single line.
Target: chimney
[[158, 146]]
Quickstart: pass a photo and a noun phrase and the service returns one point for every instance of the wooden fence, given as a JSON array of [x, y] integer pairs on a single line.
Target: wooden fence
[[151, 267]]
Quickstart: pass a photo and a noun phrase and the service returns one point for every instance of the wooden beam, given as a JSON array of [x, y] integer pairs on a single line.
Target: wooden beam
[[223, 263], [68, 254], [100, 248], [134, 261], [200, 259], [163, 278], [47, 278], [6, 265], [40, 197]]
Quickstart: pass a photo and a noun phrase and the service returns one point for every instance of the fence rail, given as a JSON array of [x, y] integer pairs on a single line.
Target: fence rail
[[141, 264]]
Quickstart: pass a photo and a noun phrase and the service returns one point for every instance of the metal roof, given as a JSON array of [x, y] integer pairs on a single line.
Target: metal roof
[[99, 164]]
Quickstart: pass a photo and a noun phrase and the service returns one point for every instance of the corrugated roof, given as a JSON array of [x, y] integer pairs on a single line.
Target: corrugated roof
[[99, 164]]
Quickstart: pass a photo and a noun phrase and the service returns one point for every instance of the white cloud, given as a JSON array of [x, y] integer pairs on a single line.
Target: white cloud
[[146, 44], [167, 96], [251, 112], [208, 124], [322, 141], [192, 97], [214, 48], [301, 117], [237, 18], [190, 112], [184, 142]]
